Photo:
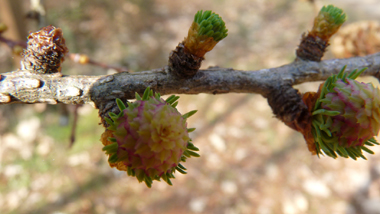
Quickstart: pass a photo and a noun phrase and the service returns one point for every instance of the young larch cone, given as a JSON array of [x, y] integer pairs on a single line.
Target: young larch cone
[[149, 138], [45, 51], [346, 116]]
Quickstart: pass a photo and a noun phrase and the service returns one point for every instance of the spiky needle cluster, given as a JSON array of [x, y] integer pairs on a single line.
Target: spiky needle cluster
[[149, 138], [314, 44], [206, 31], [328, 21], [346, 116], [211, 25]]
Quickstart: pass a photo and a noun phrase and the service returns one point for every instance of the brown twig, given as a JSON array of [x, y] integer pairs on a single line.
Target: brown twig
[[106, 66], [74, 127], [12, 43], [84, 59]]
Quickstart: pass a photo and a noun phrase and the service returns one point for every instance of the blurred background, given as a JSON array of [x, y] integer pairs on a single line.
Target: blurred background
[[250, 162]]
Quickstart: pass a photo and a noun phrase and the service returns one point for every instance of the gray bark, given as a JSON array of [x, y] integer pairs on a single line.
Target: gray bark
[[22, 86]]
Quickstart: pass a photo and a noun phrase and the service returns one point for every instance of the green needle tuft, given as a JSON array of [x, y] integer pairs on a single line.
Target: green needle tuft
[[211, 25], [337, 16]]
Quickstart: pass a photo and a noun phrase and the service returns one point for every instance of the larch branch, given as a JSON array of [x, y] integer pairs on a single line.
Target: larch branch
[[22, 86]]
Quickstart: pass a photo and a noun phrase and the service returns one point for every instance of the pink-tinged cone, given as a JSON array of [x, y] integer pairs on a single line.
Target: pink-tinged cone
[[149, 138], [359, 104], [346, 117]]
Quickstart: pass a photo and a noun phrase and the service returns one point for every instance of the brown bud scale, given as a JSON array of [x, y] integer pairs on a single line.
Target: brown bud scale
[[311, 48], [45, 51], [288, 106], [182, 63]]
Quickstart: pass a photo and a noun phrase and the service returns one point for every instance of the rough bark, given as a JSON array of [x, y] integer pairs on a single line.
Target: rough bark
[[26, 87]]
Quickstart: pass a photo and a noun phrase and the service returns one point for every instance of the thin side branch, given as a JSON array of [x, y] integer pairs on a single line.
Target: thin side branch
[[26, 87]]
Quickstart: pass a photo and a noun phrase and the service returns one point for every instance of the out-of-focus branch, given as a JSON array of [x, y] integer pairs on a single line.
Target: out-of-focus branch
[[12, 43], [37, 12], [84, 59], [74, 127], [28, 87]]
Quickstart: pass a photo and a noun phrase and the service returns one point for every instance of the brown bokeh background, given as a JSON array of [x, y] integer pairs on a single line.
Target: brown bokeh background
[[250, 162]]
